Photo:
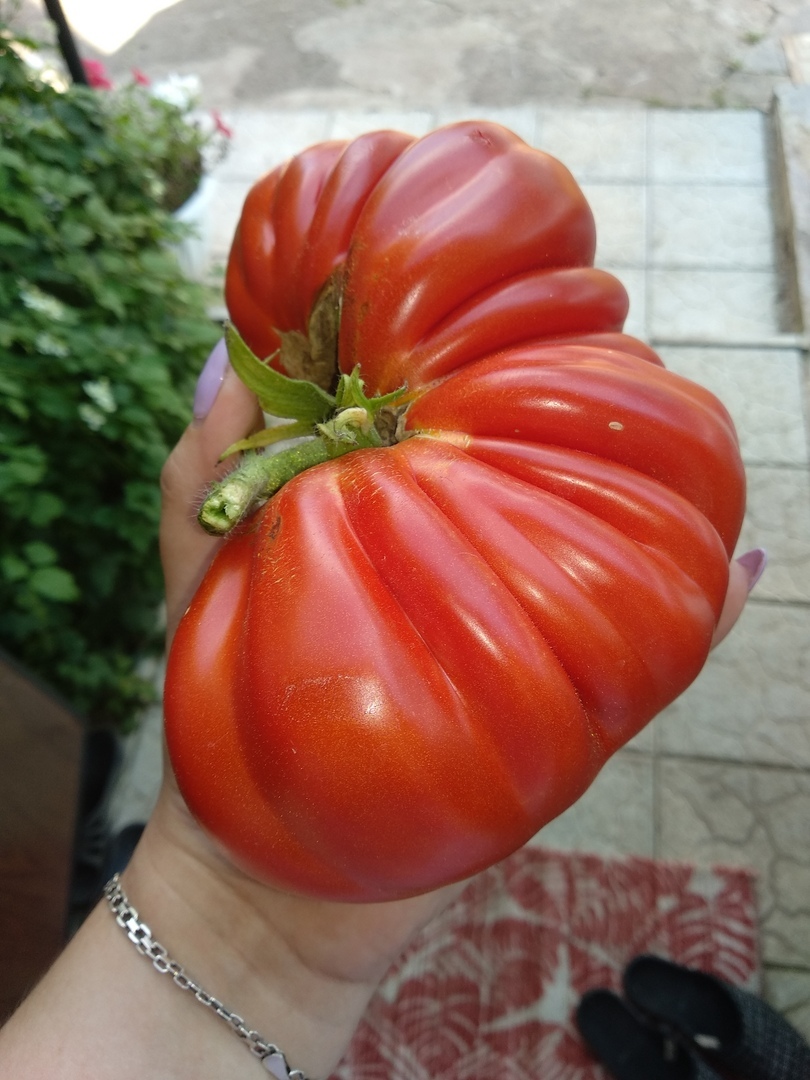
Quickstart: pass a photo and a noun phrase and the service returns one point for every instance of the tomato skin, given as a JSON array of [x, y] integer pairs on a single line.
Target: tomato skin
[[412, 730], [413, 657], [461, 172], [570, 395], [295, 229]]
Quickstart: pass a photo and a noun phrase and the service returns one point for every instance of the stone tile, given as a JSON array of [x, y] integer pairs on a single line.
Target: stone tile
[[715, 146], [751, 702], [230, 198], [761, 388], [778, 519], [709, 225], [615, 815], [620, 211], [789, 993], [712, 812], [522, 119], [644, 742], [635, 282], [349, 124], [596, 144], [765, 57], [263, 139], [714, 304]]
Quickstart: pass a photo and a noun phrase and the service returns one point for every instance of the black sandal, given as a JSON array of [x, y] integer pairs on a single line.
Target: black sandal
[[631, 1049], [735, 1030]]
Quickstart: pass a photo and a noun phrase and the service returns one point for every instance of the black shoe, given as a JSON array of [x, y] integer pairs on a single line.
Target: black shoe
[[631, 1049], [735, 1030]]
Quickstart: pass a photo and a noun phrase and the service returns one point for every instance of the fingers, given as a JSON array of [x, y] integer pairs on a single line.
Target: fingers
[[744, 573], [225, 411]]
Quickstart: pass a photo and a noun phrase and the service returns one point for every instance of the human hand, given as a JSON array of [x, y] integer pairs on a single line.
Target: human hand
[[744, 573], [300, 971], [327, 944], [313, 965]]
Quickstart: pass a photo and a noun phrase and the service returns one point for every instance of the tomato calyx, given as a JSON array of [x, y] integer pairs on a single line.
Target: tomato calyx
[[313, 356], [325, 425]]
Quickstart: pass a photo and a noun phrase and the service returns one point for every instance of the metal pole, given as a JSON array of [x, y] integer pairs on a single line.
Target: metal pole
[[67, 45]]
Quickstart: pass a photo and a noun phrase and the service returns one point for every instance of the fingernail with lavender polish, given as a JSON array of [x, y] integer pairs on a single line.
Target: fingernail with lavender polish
[[754, 563], [210, 381]]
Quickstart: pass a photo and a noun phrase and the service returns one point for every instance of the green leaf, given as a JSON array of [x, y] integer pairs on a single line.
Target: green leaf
[[13, 568], [53, 583], [76, 234], [294, 399], [143, 498], [24, 473], [351, 394], [44, 508], [12, 159], [10, 236], [268, 436], [39, 553]]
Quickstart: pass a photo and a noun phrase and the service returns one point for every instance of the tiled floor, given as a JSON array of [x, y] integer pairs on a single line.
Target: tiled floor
[[683, 209]]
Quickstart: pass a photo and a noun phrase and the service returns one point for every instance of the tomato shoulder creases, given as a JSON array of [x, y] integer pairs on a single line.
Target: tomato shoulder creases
[[415, 655]]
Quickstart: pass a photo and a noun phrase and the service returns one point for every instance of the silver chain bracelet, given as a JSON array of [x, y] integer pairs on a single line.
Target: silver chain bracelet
[[141, 937]]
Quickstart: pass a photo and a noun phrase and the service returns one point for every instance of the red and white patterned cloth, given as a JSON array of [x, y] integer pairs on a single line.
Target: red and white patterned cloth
[[489, 990]]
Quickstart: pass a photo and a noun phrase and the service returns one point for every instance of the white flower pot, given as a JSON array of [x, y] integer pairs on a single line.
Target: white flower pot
[[193, 251]]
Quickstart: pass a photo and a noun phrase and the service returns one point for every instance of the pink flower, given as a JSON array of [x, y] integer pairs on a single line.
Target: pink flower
[[97, 75], [220, 125], [140, 78]]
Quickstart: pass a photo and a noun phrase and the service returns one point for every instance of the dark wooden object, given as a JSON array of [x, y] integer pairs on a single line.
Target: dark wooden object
[[40, 765]]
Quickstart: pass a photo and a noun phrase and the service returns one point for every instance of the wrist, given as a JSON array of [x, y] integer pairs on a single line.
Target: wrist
[[242, 944], [299, 971]]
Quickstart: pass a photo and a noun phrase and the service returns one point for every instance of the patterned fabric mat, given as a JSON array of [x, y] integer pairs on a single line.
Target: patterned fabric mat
[[490, 988]]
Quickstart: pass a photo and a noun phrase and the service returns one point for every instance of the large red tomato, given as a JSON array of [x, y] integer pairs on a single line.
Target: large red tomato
[[414, 656]]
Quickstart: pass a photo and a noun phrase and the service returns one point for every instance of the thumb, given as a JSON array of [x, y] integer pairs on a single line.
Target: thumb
[[225, 411], [744, 573]]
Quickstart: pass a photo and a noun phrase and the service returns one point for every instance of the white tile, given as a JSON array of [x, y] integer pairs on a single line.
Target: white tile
[[644, 742], [635, 282], [761, 388], [614, 816], [712, 812], [348, 124], [788, 991], [263, 139], [710, 225], [596, 144], [230, 199], [778, 519], [708, 146], [715, 304], [620, 211], [751, 702]]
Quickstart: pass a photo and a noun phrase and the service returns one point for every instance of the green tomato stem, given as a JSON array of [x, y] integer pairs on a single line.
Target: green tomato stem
[[352, 426], [255, 479]]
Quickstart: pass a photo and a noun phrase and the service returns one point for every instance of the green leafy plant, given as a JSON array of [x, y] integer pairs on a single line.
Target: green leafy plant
[[175, 140], [100, 339]]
